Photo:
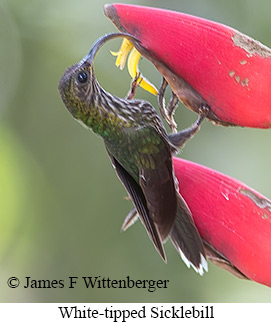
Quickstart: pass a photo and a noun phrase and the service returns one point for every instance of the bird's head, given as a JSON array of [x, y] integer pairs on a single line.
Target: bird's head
[[78, 84]]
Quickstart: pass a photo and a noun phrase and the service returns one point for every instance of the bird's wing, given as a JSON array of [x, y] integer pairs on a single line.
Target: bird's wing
[[154, 161], [138, 198], [165, 205]]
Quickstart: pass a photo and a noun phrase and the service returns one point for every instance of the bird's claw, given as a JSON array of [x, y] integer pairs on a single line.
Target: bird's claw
[[204, 110], [134, 84], [168, 112]]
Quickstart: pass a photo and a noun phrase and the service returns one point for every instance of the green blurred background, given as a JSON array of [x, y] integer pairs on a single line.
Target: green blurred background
[[61, 204]]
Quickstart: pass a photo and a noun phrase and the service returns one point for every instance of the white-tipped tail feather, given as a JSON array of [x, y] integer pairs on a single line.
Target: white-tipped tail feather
[[202, 267]]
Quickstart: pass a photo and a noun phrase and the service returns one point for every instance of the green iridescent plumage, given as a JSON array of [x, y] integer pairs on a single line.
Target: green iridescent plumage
[[141, 153]]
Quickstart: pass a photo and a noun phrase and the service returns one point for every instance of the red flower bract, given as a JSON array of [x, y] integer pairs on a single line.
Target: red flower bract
[[230, 216], [204, 62], [207, 62]]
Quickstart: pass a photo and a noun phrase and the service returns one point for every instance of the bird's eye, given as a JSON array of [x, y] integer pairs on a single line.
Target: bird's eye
[[82, 77]]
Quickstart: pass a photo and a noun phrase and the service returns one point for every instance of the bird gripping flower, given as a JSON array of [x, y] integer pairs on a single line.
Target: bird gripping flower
[[141, 152]]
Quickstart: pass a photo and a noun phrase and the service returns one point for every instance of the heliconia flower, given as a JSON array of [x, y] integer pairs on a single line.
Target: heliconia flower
[[232, 218], [208, 63], [204, 62]]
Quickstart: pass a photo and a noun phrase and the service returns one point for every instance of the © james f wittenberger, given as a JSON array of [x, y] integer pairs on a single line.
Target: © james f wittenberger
[[93, 282]]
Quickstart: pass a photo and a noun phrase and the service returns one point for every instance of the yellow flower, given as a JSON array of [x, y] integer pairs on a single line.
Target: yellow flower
[[132, 64]]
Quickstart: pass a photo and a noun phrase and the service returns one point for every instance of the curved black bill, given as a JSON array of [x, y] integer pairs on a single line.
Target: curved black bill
[[102, 40]]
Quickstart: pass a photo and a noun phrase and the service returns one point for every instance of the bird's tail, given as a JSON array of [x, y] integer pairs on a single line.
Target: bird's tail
[[186, 239]]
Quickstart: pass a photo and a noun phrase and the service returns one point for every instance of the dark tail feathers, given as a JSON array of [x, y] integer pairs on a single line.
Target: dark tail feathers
[[186, 239]]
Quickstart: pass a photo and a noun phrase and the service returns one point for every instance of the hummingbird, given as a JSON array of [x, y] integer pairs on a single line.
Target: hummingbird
[[140, 150]]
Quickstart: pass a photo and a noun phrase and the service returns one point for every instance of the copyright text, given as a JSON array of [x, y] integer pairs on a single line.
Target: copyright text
[[89, 282]]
